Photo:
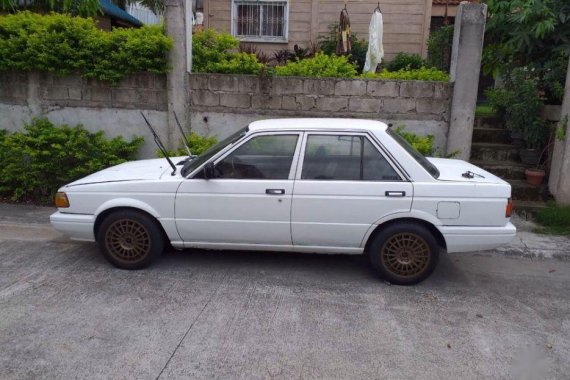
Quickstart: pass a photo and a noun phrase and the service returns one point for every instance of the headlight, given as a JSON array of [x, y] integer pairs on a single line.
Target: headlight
[[61, 200]]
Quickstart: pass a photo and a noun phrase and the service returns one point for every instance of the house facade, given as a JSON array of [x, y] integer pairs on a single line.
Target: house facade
[[278, 24]]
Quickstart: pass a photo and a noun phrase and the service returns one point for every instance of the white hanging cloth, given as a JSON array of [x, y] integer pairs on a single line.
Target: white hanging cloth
[[375, 51]]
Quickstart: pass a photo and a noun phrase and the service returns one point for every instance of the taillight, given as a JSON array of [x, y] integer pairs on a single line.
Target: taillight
[[509, 209]]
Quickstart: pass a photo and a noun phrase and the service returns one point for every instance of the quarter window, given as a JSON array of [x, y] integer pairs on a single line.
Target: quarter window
[[345, 157], [260, 20], [262, 157]]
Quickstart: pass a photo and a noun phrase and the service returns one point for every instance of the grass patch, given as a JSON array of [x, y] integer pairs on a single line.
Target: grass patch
[[485, 110], [554, 219]]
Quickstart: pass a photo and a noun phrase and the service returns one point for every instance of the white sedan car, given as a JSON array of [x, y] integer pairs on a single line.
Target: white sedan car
[[298, 185]]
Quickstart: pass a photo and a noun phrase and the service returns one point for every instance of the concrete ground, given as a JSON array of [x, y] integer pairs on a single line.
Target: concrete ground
[[66, 313]]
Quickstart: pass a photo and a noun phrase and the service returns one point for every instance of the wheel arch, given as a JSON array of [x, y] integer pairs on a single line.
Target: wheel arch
[[108, 211], [406, 219]]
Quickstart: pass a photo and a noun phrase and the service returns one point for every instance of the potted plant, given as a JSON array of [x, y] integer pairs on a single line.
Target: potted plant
[[534, 134], [535, 175]]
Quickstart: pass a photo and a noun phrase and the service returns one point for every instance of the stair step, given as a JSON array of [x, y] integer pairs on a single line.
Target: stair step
[[488, 122], [491, 135], [528, 208], [503, 169], [522, 191], [494, 152]]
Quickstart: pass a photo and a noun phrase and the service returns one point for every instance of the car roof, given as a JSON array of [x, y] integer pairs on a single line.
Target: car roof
[[318, 123]]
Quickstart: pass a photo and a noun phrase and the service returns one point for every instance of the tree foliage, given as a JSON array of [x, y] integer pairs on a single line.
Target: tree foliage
[[85, 8], [523, 32], [76, 7], [439, 47]]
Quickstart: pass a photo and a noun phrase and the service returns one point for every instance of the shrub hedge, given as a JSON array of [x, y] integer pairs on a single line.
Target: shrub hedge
[[423, 144], [320, 66], [198, 144], [212, 53], [36, 162], [63, 44], [424, 73], [406, 61]]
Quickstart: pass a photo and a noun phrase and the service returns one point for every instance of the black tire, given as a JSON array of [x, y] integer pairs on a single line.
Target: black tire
[[130, 239], [404, 253]]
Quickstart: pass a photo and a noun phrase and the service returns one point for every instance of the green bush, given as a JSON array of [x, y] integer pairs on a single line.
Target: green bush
[[238, 63], [439, 48], [36, 162], [212, 53], [328, 43], [198, 144], [519, 103], [405, 61], [424, 73], [320, 66], [422, 144], [64, 44]]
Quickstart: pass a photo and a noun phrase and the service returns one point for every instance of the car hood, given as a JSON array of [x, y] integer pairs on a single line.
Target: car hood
[[452, 170], [129, 171]]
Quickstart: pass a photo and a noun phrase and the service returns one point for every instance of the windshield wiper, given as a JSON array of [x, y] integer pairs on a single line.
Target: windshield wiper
[[185, 139], [160, 144]]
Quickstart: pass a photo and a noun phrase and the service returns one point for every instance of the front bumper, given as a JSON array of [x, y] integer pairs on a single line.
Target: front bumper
[[469, 239], [76, 226]]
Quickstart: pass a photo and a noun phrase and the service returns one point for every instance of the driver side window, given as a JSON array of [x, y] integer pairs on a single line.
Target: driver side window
[[262, 157]]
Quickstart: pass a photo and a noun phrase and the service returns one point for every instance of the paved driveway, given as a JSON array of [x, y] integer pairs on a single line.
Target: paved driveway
[[66, 313]]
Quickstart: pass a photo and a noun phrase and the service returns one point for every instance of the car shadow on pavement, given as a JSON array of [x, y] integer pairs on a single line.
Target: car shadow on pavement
[[335, 267]]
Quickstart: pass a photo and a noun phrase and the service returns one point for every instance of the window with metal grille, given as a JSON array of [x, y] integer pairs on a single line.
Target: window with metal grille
[[260, 20]]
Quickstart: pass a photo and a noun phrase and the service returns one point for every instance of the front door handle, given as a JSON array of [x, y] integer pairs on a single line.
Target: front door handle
[[395, 193], [275, 191]]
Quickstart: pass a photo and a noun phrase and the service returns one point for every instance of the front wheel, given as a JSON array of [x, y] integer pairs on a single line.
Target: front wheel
[[404, 253], [130, 240]]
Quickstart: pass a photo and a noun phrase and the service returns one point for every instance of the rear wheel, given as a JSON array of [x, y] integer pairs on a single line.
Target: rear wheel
[[130, 239], [404, 253]]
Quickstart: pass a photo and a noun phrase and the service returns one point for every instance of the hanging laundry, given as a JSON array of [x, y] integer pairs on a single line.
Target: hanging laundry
[[375, 51], [343, 33]]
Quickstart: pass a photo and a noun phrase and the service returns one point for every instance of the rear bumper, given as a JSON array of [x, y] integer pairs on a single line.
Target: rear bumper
[[76, 226], [468, 239]]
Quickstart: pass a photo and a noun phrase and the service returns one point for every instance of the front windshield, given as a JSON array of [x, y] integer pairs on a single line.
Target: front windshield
[[192, 165], [415, 154]]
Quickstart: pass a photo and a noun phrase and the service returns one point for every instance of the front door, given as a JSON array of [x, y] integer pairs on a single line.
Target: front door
[[248, 202], [345, 185]]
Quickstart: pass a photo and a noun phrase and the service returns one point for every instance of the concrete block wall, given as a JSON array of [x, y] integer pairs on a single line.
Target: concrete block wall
[[97, 105], [222, 103]]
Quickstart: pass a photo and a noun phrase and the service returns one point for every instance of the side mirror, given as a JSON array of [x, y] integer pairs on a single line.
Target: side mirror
[[209, 171]]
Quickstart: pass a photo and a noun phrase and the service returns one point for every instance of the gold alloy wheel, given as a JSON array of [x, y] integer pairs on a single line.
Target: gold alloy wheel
[[127, 240], [405, 254]]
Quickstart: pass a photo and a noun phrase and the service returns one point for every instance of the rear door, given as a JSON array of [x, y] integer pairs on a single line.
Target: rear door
[[344, 184]]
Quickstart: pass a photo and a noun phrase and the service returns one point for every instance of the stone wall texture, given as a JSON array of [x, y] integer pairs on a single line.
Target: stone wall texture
[[141, 91], [99, 106], [293, 96], [220, 103]]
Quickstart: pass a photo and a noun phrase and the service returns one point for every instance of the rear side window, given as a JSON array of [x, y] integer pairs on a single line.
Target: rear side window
[[345, 157]]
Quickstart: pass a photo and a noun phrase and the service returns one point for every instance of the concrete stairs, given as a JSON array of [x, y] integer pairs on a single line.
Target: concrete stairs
[[493, 151]]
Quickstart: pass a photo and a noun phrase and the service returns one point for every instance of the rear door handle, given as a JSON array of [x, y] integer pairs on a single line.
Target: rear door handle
[[275, 191], [395, 193]]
